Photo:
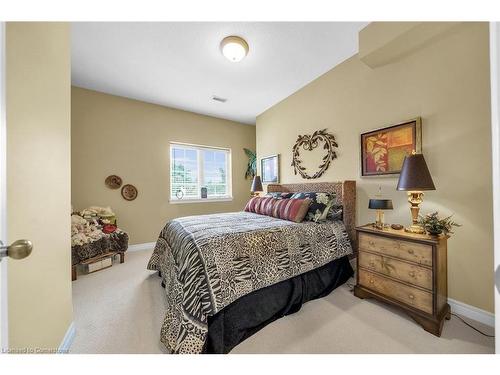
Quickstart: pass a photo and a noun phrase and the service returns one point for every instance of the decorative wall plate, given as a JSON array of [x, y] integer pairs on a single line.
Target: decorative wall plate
[[113, 182], [129, 192], [309, 143]]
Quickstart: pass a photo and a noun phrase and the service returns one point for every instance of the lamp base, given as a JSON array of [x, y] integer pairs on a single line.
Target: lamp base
[[415, 228], [415, 198]]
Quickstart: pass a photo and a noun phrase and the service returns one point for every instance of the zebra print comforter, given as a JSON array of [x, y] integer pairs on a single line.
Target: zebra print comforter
[[208, 261]]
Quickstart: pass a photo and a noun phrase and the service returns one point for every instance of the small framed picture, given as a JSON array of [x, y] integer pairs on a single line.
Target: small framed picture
[[269, 169], [383, 150]]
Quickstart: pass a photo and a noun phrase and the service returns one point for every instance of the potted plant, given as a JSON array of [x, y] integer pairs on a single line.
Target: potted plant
[[252, 163], [436, 226]]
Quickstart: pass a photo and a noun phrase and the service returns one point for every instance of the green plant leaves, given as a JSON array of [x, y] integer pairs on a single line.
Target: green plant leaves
[[434, 225], [252, 163]]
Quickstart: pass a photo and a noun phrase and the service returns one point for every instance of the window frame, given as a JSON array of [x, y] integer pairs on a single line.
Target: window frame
[[199, 152]]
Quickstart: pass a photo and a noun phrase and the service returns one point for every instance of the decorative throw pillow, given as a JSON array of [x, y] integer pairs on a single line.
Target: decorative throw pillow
[[320, 204], [336, 213], [290, 209], [260, 205], [286, 209], [279, 195]]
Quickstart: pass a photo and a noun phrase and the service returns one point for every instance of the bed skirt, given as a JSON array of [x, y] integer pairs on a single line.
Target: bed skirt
[[252, 312]]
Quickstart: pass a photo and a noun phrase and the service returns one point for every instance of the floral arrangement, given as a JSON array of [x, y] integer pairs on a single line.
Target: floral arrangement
[[91, 224], [95, 212], [434, 225]]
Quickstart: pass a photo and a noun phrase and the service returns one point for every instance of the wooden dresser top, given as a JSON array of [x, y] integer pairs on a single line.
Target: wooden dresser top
[[401, 234]]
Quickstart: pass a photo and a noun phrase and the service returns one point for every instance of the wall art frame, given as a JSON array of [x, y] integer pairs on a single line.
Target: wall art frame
[[270, 169], [383, 150]]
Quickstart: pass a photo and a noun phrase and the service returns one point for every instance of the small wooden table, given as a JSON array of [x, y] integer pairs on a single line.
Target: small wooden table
[[406, 270], [110, 254]]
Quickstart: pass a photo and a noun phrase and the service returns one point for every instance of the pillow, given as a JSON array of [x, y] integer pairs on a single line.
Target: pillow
[[279, 195], [291, 209], [320, 204], [287, 209], [260, 205]]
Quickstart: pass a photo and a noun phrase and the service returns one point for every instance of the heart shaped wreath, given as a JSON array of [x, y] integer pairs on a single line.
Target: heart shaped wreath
[[309, 143]]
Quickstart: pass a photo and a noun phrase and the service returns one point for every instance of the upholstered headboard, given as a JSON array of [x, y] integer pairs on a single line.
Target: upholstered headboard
[[345, 195]]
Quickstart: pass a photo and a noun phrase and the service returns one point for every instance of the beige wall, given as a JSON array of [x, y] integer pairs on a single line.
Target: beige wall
[[38, 182], [447, 84], [129, 138]]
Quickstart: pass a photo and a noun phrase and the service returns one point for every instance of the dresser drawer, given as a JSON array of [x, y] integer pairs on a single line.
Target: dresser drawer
[[403, 271], [417, 298], [411, 251]]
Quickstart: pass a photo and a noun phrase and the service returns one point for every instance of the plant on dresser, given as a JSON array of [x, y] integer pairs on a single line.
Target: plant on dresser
[[406, 270], [435, 226]]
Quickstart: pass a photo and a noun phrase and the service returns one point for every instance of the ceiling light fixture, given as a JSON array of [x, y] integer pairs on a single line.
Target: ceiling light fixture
[[234, 48]]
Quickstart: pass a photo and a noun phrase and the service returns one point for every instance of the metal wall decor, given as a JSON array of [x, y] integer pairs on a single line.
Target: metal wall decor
[[309, 143], [129, 192], [113, 181]]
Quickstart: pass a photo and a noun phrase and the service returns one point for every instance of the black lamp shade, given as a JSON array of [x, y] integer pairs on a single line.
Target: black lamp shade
[[415, 175], [380, 204], [256, 185]]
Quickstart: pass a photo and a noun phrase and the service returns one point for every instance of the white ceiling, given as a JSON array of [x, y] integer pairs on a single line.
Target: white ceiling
[[179, 64]]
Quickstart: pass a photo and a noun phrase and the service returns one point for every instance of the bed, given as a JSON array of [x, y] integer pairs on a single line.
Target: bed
[[228, 275]]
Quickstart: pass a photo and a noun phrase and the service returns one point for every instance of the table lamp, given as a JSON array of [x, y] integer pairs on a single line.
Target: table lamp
[[380, 205], [415, 178], [256, 186]]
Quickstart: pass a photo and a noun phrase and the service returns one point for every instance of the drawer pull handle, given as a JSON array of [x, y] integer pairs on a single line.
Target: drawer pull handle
[[411, 296], [411, 273], [410, 251], [372, 264], [371, 243], [371, 281]]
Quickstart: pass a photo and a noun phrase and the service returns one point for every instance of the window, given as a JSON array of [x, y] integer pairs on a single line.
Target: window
[[195, 167]]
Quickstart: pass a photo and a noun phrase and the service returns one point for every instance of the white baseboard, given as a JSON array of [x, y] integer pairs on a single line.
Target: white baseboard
[[68, 339], [472, 312], [142, 246]]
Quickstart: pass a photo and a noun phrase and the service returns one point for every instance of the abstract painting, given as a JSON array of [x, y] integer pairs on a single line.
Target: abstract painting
[[383, 150]]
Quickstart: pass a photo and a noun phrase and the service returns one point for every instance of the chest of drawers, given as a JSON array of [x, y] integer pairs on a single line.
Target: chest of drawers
[[406, 270]]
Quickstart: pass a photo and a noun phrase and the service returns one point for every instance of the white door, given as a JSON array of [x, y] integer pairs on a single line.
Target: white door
[[495, 133], [37, 84], [19, 249], [3, 208]]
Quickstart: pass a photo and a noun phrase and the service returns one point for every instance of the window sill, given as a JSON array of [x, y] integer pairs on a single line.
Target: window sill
[[201, 200]]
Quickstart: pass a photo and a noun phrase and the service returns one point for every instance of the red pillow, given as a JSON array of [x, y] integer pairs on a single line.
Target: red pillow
[[286, 209]]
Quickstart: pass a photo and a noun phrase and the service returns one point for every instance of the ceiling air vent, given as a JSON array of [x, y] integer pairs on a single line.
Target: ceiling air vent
[[219, 99]]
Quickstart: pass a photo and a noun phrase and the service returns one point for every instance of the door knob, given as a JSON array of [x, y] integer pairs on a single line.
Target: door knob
[[18, 250]]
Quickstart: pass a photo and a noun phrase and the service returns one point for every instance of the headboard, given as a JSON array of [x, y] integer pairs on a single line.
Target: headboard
[[345, 195]]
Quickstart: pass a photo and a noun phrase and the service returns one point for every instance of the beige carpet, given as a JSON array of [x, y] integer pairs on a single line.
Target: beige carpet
[[120, 310]]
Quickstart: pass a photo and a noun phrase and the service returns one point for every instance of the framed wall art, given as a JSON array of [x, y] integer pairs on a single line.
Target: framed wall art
[[270, 169], [383, 150]]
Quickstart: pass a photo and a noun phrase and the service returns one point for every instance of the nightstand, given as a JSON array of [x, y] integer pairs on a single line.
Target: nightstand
[[406, 270]]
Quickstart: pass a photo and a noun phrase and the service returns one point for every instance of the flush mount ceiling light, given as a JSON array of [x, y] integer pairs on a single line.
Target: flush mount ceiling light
[[234, 48]]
